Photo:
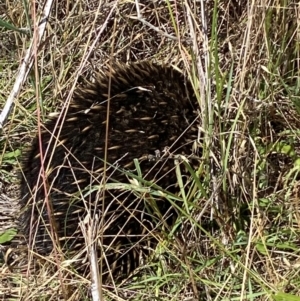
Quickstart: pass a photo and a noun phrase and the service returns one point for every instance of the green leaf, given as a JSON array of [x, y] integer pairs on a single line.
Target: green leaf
[[12, 155], [8, 235], [261, 248], [283, 148], [297, 162], [9, 26], [285, 297]]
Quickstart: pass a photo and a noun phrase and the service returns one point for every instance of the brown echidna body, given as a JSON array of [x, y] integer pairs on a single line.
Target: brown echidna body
[[151, 108]]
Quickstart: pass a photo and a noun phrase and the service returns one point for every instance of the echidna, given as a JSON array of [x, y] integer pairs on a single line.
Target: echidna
[[152, 118]]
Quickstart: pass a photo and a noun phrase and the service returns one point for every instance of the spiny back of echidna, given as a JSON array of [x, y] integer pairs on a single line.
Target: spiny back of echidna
[[152, 118]]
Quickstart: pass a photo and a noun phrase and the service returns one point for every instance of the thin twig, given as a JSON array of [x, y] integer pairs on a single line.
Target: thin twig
[[141, 19]]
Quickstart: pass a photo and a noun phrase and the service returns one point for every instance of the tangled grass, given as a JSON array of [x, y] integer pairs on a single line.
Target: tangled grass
[[238, 235]]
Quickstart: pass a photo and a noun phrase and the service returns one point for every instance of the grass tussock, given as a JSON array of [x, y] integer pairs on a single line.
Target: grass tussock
[[237, 237]]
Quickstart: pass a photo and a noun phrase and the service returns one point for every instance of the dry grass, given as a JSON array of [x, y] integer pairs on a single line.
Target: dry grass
[[239, 235]]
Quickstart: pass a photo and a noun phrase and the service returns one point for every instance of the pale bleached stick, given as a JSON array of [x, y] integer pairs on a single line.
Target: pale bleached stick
[[25, 65]]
